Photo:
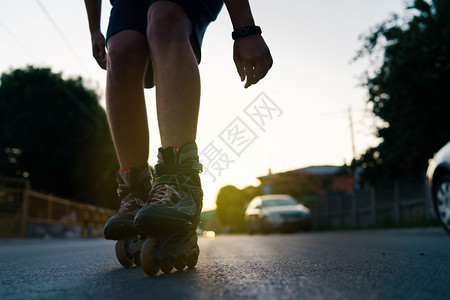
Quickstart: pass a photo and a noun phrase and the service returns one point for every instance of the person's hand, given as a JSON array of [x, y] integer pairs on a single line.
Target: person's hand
[[99, 48], [252, 58]]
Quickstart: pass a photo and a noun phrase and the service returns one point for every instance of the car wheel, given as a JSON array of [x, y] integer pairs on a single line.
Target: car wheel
[[441, 200], [250, 230], [262, 227]]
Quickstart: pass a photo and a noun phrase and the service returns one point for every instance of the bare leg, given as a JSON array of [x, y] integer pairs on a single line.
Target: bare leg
[[125, 102], [177, 75]]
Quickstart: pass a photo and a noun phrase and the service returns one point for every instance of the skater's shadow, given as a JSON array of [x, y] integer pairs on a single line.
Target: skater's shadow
[[133, 282]]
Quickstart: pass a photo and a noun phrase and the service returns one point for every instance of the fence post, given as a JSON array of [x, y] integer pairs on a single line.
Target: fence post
[[325, 219], [397, 202], [313, 208], [329, 214], [340, 215], [50, 207], [321, 217], [373, 201], [86, 221], [25, 202], [429, 209], [355, 209], [97, 222]]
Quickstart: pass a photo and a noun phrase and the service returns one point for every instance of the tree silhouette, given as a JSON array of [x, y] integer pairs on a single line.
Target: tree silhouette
[[54, 132], [230, 210], [410, 92]]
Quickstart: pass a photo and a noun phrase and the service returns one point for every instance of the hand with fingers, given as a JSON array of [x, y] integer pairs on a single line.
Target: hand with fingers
[[94, 8], [252, 58], [99, 48]]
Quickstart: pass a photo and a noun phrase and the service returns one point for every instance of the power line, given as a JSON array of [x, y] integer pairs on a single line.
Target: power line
[[61, 35]]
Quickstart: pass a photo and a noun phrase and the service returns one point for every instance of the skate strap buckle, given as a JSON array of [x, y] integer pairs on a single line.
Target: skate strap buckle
[[174, 169], [197, 167]]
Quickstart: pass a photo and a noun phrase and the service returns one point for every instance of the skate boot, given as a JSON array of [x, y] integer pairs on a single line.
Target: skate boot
[[170, 218], [133, 190]]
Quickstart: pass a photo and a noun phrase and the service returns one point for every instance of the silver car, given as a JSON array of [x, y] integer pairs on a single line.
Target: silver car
[[276, 213], [438, 175]]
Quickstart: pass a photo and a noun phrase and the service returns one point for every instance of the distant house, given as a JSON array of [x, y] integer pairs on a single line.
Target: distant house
[[304, 182]]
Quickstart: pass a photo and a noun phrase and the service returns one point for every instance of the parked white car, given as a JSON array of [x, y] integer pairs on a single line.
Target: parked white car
[[276, 213], [438, 175]]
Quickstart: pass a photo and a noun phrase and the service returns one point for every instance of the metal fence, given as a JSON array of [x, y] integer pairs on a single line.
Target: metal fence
[[404, 201], [28, 213]]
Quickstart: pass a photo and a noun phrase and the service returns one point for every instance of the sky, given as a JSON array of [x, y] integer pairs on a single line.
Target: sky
[[297, 116]]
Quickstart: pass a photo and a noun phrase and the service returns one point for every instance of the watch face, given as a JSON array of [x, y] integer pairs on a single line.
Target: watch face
[[243, 31]]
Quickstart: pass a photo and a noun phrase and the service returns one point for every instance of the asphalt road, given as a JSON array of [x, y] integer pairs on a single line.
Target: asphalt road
[[392, 264]]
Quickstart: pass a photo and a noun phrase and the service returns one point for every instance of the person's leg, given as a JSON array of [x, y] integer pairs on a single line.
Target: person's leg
[[172, 214], [176, 70], [127, 60], [176, 197], [125, 103]]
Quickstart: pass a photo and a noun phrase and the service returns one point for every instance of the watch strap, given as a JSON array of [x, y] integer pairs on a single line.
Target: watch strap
[[245, 31]]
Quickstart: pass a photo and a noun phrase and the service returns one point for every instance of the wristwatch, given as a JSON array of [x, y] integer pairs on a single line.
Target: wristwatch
[[245, 31]]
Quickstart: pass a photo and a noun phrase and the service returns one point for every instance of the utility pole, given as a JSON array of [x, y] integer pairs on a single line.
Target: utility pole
[[352, 134], [351, 130]]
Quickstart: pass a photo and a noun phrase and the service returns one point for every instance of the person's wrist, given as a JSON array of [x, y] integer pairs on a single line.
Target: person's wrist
[[245, 31], [95, 30]]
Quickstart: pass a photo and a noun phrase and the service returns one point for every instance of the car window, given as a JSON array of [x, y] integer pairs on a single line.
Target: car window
[[279, 202]]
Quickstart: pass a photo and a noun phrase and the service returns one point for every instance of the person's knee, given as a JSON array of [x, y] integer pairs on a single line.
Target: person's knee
[[167, 23], [127, 51]]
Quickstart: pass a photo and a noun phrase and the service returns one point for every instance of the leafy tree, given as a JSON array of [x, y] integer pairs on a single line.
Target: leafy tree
[[54, 132], [410, 92], [230, 209], [250, 192]]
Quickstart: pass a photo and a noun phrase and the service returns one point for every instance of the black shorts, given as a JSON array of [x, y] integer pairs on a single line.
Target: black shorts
[[132, 15]]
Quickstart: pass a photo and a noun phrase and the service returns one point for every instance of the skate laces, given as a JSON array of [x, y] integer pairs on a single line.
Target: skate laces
[[161, 194], [127, 204]]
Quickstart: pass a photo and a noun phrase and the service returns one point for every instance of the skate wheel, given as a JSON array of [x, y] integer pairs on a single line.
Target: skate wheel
[[150, 265], [125, 259], [167, 265], [180, 262], [192, 260], [137, 258]]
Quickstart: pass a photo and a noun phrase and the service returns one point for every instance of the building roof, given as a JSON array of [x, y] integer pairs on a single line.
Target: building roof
[[317, 170], [320, 170]]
